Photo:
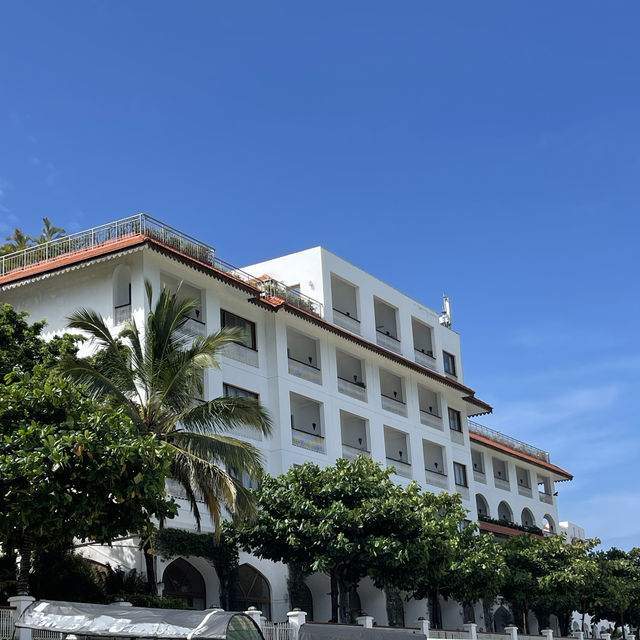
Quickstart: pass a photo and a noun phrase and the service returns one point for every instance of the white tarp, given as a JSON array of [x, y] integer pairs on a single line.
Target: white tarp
[[141, 622]]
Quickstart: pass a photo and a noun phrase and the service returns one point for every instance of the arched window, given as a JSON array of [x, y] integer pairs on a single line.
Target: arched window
[[395, 608], [527, 518], [121, 294], [548, 525], [482, 506], [182, 580], [504, 512], [251, 589]]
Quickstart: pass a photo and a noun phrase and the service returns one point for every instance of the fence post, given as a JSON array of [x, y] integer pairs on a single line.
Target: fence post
[[547, 633], [296, 619], [472, 628], [365, 621], [513, 633], [20, 603], [255, 615], [605, 636], [424, 625], [580, 635]]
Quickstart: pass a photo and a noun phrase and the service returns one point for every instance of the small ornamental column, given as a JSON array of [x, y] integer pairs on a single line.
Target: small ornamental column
[[255, 615], [296, 619], [424, 626], [21, 603], [365, 621], [512, 632], [547, 633], [472, 628]]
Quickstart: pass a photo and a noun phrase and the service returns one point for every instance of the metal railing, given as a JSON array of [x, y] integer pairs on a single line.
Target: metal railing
[[307, 440], [279, 631], [7, 616], [508, 441], [147, 226]]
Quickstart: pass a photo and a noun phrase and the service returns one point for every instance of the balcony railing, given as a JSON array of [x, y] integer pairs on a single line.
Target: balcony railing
[[306, 440], [305, 371], [479, 476], [345, 320], [386, 340], [437, 478], [350, 452], [403, 468], [192, 328], [501, 483], [121, 313], [545, 497], [431, 419], [425, 358], [508, 441], [148, 227], [352, 389], [393, 404]]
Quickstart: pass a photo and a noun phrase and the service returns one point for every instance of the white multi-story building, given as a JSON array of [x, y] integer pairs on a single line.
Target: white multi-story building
[[345, 364]]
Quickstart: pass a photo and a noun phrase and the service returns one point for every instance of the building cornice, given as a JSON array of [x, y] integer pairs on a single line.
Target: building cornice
[[498, 446]]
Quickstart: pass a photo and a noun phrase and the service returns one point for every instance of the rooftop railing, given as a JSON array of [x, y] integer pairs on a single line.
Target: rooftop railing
[[508, 441], [145, 225]]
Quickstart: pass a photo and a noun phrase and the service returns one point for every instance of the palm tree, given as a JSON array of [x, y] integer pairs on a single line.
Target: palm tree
[[50, 232], [157, 376], [19, 240]]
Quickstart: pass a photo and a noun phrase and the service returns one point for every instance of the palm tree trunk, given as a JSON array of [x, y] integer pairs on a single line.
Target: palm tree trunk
[[24, 567]]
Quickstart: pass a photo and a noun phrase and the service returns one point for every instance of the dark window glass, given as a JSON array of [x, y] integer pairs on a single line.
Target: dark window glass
[[455, 422], [460, 474], [449, 363], [248, 329]]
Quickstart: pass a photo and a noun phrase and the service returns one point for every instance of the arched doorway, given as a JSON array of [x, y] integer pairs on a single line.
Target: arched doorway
[[548, 525], [302, 599], [527, 518], [501, 618], [251, 589], [504, 512], [183, 581], [482, 506]]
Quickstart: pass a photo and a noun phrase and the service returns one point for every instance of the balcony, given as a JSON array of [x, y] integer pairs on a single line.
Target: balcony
[[356, 390], [121, 313], [310, 441], [388, 341], [545, 497], [480, 476], [394, 405], [436, 478], [241, 353], [403, 468], [425, 358], [345, 320], [305, 371], [192, 328], [431, 419], [512, 443], [349, 452], [501, 483]]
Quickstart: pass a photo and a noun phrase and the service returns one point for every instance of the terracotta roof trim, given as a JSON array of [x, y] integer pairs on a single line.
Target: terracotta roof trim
[[498, 446]]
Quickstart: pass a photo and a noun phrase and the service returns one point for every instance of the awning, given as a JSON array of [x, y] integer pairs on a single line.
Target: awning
[[137, 622]]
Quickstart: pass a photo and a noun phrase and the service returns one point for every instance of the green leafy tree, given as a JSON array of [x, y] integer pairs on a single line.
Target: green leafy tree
[[617, 593], [350, 521], [70, 468], [50, 232], [19, 240], [155, 375], [478, 569]]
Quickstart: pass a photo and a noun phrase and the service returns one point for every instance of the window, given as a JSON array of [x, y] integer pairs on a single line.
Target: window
[[449, 363], [248, 338], [460, 474], [236, 392], [455, 422]]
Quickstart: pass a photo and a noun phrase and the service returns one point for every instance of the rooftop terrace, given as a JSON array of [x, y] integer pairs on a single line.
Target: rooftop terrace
[[508, 441], [13, 265]]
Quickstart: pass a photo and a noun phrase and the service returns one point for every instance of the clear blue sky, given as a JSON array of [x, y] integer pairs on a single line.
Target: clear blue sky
[[486, 149]]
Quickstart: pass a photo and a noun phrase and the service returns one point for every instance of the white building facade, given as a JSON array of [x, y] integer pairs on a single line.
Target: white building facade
[[345, 364]]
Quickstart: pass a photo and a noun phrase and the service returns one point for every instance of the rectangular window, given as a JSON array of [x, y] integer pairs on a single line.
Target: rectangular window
[[460, 474], [449, 363], [455, 422], [248, 328], [236, 392]]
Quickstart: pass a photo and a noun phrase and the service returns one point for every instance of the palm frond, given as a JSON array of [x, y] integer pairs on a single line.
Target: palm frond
[[225, 414]]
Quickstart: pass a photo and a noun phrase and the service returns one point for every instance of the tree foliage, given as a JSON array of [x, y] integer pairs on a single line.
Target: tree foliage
[[351, 521]]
